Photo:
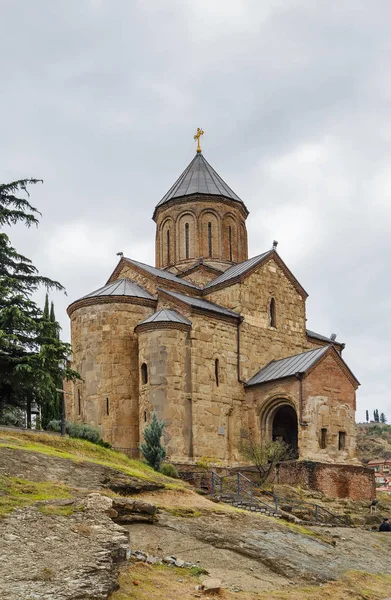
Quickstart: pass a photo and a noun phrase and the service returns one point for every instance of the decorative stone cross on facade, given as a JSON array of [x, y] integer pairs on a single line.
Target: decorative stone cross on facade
[[197, 137]]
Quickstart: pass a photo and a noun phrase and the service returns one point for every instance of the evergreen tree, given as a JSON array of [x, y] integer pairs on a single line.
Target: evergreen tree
[[383, 418], [52, 316], [152, 449], [367, 416], [50, 346], [30, 363], [45, 314], [376, 415]]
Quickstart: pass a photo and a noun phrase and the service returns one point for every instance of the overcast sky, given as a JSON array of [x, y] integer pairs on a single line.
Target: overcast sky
[[101, 98]]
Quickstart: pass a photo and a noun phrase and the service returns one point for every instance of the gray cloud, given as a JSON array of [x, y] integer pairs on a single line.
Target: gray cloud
[[101, 99]]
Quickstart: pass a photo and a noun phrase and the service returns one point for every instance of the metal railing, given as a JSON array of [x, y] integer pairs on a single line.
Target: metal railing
[[240, 487]]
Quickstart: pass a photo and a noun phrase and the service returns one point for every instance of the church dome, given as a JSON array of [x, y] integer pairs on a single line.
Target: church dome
[[199, 177], [200, 218]]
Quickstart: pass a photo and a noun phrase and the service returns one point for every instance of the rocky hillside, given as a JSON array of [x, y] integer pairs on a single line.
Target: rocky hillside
[[72, 513], [373, 441]]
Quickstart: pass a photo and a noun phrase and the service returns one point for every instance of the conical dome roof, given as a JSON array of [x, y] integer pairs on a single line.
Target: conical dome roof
[[120, 287], [199, 178]]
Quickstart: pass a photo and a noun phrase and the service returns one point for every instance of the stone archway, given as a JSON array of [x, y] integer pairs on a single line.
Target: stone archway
[[284, 426], [278, 419]]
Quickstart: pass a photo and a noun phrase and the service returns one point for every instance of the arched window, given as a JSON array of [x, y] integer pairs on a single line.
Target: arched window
[[230, 242], [323, 438], [210, 239], [168, 247], [217, 371], [144, 374], [272, 313], [187, 241]]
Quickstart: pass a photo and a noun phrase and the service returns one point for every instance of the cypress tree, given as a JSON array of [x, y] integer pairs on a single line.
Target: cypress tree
[[45, 314], [152, 449], [383, 418], [51, 346], [367, 416]]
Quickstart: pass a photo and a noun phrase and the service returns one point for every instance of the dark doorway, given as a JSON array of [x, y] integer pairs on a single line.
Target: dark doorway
[[285, 427]]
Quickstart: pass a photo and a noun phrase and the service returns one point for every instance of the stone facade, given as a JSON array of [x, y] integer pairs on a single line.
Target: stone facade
[[164, 354], [224, 324], [324, 402]]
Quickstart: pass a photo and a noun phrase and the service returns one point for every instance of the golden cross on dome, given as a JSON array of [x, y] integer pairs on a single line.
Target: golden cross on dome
[[197, 137]]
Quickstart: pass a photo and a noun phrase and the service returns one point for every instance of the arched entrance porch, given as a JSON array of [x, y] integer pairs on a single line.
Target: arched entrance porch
[[279, 421]]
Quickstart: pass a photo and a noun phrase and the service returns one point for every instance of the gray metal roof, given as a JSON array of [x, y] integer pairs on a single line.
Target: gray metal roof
[[203, 304], [199, 178], [288, 367], [238, 269], [121, 287], [161, 273], [324, 338], [166, 315]]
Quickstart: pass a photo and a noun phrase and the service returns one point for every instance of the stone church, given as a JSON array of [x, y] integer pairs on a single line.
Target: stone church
[[214, 341]]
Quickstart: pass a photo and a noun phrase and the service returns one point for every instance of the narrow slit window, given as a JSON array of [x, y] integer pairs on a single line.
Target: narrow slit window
[[272, 315], [168, 248], [341, 440], [144, 374], [145, 416], [78, 401], [107, 407], [187, 244], [217, 371], [230, 242], [210, 239], [323, 438]]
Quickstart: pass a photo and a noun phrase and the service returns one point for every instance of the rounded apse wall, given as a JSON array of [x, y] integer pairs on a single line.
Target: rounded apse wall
[[105, 353]]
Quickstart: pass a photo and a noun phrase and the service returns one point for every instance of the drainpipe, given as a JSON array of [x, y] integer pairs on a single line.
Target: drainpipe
[[300, 377], [189, 393], [238, 349]]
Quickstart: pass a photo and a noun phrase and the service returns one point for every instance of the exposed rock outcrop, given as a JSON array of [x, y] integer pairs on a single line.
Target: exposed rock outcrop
[[52, 557]]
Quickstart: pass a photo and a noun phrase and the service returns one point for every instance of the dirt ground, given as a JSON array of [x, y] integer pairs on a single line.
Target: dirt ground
[[143, 582]]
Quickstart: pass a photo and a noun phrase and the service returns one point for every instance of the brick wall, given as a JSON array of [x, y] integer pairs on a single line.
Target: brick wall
[[335, 480]]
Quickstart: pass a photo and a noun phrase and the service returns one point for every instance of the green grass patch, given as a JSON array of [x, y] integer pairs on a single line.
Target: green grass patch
[[15, 493], [83, 451], [58, 510], [197, 571], [302, 530]]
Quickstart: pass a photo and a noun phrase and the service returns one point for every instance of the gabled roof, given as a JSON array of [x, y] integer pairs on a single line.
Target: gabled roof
[[166, 315], [121, 287], [288, 367], [299, 364], [199, 178], [238, 270], [235, 273], [201, 304], [156, 272]]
